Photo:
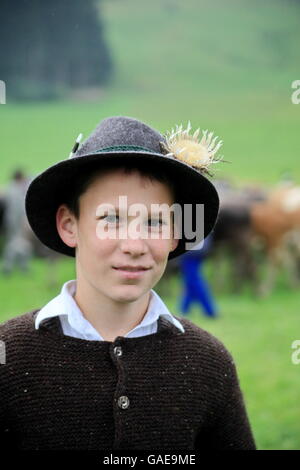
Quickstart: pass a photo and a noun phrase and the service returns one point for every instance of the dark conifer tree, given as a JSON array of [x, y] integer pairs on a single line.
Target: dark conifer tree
[[50, 46]]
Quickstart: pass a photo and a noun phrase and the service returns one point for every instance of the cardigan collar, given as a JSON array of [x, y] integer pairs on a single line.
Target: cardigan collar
[[52, 328], [65, 307]]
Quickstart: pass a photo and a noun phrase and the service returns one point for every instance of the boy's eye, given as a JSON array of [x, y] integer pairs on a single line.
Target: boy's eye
[[152, 222], [109, 217], [155, 222], [112, 216]]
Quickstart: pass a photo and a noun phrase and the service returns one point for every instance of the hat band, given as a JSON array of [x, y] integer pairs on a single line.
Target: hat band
[[122, 148]]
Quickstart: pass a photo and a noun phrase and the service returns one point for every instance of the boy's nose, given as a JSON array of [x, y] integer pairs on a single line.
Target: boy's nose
[[134, 245]]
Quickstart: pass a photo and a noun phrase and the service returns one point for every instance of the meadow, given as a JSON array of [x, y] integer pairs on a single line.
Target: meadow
[[225, 66]]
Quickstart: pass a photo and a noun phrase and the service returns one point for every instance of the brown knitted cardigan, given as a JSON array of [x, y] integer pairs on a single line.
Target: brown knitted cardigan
[[180, 391]]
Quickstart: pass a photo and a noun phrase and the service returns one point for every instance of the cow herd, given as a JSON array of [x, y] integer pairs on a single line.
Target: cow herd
[[258, 234]]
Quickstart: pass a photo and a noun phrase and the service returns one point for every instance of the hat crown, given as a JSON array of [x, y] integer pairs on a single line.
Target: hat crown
[[121, 131]]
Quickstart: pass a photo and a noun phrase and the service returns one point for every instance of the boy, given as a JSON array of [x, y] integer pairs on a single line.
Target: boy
[[105, 365]]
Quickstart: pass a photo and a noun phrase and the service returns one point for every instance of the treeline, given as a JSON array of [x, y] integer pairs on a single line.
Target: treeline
[[49, 47]]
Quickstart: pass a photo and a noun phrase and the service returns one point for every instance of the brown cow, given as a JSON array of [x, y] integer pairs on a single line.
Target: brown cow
[[277, 224]]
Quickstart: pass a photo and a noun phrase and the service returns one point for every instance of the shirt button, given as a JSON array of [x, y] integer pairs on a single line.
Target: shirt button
[[123, 402], [118, 351]]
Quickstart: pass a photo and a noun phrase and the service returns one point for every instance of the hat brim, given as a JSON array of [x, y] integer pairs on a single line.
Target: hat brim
[[49, 189]]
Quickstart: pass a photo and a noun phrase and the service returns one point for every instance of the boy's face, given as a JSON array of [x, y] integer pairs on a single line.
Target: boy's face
[[97, 258]]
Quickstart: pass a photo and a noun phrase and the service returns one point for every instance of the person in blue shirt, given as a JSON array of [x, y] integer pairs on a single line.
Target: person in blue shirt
[[195, 288]]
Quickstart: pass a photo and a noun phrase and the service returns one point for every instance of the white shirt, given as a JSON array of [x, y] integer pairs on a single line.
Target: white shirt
[[75, 324]]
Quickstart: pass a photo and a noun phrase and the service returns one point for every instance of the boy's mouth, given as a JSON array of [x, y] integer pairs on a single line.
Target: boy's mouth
[[130, 272], [131, 268]]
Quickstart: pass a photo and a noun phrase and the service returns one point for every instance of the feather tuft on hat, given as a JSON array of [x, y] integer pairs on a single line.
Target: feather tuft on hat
[[200, 154]]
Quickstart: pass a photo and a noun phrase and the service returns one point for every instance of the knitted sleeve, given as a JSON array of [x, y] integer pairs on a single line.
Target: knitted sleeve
[[4, 432], [7, 438], [231, 429], [5, 435], [2, 380]]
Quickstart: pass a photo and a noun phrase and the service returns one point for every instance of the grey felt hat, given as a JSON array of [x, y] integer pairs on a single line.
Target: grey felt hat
[[119, 139]]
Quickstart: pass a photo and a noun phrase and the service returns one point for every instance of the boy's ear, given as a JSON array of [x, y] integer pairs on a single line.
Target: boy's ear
[[175, 242], [66, 226]]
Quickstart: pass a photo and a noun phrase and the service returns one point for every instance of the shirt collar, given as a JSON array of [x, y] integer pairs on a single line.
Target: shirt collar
[[65, 305]]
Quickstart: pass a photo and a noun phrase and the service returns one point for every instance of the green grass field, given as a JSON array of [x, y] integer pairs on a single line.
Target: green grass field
[[226, 66], [260, 140]]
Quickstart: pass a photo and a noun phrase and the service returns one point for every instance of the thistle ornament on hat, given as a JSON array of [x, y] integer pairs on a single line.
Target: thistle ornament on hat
[[200, 154]]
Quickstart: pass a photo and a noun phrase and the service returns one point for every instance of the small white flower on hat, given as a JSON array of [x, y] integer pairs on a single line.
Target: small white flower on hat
[[200, 154]]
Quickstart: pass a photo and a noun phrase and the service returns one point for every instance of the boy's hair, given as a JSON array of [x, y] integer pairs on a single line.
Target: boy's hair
[[90, 174]]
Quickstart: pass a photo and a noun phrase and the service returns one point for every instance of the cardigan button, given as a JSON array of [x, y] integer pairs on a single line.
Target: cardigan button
[[123, 402], [118, 351]]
